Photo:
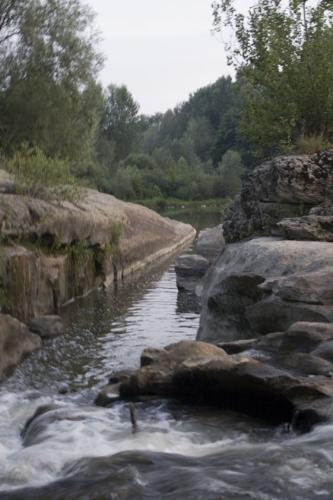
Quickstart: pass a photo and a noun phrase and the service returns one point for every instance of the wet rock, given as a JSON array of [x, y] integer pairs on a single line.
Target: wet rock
[[107, 395], [305, 420], [16, 342], [119, 376], [174, 354], [47, 326], [210, 243], [41, 410], [155, 376], [202, 373], [190, 269], [34, 429], [63, 389]]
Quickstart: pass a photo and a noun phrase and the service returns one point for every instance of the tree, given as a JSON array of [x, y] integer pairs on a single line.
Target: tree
[[285, 52], [119, 124], [48, 94], [230, 172]]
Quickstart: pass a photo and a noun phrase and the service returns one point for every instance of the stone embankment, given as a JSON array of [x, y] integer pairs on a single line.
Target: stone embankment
[[53, 252], [267, 305]]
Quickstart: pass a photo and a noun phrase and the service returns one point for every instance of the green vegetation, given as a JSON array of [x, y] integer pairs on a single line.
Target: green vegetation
[[283, 50], [178, 154], [42, 177], [58, 124]]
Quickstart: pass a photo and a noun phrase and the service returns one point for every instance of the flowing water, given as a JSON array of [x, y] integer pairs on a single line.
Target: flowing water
[[79, 451]]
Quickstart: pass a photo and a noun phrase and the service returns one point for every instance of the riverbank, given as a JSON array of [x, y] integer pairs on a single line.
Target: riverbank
[[52, 253]]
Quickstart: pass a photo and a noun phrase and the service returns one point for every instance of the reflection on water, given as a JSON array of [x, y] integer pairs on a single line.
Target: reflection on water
[[108, 330], [198, 219]]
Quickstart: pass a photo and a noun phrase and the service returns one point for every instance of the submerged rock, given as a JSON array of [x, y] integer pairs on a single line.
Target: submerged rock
[[16, 342], [34, 430], [47, 326], [190, 269]]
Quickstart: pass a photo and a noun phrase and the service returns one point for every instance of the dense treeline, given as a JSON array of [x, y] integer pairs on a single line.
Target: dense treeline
[[55, 114], [185, 153]]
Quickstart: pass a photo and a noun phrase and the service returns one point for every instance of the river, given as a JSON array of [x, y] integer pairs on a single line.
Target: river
[[79, 451]]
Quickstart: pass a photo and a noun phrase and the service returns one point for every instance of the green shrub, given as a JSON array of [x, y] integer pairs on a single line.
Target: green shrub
[[309, 144], [40, 176]]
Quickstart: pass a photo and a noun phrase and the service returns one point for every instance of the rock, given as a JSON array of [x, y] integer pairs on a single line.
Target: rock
[[283, 188], [210, 243], [325, 350], [306, 364], [190, 269], [107, 395], [265, 285], [305, 420], [301, 337], [47, 326], [63, 389], [310, 287], [16, 342], [202, 373], [34, 430], [272, 313], [305, 337], [59, 251], [41, 410], [154, 377], [311, 227], [157, 365], [174, 354]]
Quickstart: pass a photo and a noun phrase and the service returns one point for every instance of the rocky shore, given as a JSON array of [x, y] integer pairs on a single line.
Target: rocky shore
[[51, 253], [267, 305]]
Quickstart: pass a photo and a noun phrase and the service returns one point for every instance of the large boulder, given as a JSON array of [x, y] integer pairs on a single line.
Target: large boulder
[[265, 285], [53, 252], [16, 342], [201, 373], [210, 243], [283, 188]]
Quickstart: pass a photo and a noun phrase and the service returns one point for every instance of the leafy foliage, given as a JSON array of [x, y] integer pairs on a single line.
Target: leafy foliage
[[284, 52], [48, 94], [42, 177], [175, 154]]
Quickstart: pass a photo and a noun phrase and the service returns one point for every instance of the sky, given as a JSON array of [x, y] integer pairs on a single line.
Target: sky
[[162, 50]]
